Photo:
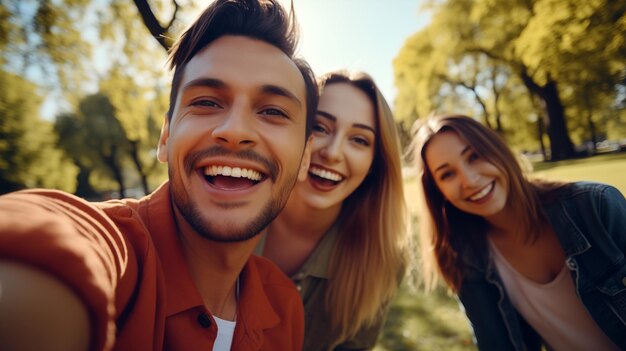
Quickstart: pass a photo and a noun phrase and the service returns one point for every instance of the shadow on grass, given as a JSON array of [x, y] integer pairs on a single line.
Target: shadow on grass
[[544, 166], [420, 321]]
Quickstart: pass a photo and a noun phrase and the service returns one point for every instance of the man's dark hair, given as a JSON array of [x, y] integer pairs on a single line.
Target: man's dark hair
[[265, 20]]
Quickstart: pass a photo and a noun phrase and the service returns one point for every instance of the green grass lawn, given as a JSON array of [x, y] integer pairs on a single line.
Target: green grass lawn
[[420, 321], [608, 168]]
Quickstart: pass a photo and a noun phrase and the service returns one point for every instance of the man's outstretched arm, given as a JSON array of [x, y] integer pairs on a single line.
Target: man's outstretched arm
[[61, 261], [39, 312]]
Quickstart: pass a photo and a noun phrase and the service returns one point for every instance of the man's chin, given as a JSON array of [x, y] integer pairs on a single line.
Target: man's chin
[[228, 230], [228, 236]]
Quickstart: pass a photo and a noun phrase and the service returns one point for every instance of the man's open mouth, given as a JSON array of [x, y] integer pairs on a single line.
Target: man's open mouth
[[231, 178]]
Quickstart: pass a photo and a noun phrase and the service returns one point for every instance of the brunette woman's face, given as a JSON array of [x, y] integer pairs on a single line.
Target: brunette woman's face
[[469, 182], [344, 138]]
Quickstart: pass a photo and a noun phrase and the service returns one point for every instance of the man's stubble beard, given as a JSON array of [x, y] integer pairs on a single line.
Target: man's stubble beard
[[208, 230]]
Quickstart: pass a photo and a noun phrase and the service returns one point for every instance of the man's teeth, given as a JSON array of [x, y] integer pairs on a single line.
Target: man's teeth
[[235, 172], [322, 173], [482, 193]]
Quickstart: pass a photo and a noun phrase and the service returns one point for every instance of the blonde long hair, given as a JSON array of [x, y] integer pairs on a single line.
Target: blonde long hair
[[445, 231], [370, 257]]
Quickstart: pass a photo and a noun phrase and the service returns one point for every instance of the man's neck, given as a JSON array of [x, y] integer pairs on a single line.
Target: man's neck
[[215, 267]]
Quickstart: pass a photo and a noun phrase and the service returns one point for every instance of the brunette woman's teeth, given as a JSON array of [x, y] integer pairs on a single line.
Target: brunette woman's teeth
[[482, 193]]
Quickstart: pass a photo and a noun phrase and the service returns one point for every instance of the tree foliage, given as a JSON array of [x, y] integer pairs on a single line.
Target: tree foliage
[[61, 44], [94, 138], [28, 153], [139, 111], [482, 52]]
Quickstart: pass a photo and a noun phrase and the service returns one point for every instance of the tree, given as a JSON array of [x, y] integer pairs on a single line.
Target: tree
[[54, 39], [541, 43], [28, 153], [139, 111], [52, 42], [69, 128], [95, 140]]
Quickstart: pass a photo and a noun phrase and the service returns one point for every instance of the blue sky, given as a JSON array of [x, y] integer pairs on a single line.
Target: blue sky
[[358, 34]]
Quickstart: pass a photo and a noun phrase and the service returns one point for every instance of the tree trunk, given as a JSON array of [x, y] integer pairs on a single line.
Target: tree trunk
[[540, 124], [116, 170], [561, 146], [134, 153], [83, 187]]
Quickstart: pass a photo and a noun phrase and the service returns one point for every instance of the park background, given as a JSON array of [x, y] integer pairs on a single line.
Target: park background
[[84, 88]]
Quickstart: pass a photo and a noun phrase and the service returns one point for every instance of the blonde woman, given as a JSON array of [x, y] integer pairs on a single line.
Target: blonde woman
[[341, 237]]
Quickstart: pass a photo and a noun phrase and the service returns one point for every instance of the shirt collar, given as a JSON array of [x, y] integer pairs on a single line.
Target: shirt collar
[[158, 215], [255, 311]]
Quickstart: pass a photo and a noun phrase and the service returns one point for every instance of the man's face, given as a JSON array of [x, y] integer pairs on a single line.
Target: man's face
[[236, 140]]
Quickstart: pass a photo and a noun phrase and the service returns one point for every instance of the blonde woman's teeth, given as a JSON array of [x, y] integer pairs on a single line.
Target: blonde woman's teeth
[[322, 173]]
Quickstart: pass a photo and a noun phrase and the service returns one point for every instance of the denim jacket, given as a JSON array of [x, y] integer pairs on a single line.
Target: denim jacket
[[590, 222]]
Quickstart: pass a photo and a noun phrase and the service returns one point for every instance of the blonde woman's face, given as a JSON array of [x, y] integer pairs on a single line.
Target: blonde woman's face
[[344, 138], [468, 181]]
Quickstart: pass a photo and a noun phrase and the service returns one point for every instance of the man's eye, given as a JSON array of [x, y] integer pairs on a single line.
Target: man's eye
[[273, 112], [205, 103]]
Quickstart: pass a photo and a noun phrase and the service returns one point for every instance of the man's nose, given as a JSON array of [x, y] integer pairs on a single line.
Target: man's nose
[[236, 129]]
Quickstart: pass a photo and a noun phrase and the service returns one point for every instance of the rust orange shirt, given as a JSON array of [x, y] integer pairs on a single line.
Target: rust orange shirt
[[124, 259]]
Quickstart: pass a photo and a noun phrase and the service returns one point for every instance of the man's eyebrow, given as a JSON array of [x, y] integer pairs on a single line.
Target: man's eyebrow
[[333, 118], [271, 89], [205, 82]]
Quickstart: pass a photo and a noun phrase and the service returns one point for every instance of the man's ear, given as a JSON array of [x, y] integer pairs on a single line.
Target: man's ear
[[306, 160], [162, 147]]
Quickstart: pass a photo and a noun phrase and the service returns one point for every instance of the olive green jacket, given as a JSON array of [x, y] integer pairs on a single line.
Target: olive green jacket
[[311, 281]]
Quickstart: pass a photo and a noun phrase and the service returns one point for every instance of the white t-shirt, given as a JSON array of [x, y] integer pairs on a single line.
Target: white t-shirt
[[225, 332], [552, 309]]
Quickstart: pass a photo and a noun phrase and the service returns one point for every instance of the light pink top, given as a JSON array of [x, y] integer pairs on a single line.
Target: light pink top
[[552, 309]]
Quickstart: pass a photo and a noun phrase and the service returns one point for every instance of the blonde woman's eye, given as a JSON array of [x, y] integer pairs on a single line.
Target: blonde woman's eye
[[362, 141], [319, 128]]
